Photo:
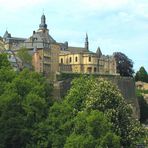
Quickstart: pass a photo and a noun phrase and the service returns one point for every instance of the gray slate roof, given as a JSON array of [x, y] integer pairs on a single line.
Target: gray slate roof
[[76, 49], [39, 39]]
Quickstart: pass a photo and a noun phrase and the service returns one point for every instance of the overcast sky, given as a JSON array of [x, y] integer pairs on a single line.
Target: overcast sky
[[114, 25]]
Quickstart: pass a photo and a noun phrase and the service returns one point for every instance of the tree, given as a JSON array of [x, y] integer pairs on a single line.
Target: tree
[[92, 129], [4, 63], [26, 58], [6, 72], [124, 64], [25, 99], [59, 123], [143, 108], [89, 94], [141, 75], [24, 106]]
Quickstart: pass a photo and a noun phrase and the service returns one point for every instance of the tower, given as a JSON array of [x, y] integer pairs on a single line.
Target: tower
[[6, 35], [98, 52], [86, 42], [43, 25]]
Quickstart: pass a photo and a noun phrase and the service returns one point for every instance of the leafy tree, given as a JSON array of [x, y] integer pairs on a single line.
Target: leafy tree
[[4, 63], [68, 128], [93, 114], [92, 129], [13, 132], [6, 72], [24, 106], [104, 96], [124, 64], [59, 123], [143, 108], [26, 58], [141, 75], [79, 90]]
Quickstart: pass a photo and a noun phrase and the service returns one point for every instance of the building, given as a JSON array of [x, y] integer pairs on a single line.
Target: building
[[12, 43], [44, 49], [2, 47], [15, 61], [81, 60], [50, 57]]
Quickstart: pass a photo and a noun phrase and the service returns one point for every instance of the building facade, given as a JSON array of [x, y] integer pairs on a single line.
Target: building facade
[[44, 49], [2, 46], [12, 43], [81, 60], [50, 57]]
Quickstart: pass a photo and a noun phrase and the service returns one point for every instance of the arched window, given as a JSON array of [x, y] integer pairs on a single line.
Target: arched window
[[61, 60], [76, 59], [70, 60]]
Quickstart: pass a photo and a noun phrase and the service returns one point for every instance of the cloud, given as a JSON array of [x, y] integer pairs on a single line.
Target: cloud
[[111, 24], [104, 4], [15, 5]]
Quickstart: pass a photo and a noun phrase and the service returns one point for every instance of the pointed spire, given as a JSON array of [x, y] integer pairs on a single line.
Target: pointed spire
[[99, 52], [43, 25], [6, 35], [86, 42]]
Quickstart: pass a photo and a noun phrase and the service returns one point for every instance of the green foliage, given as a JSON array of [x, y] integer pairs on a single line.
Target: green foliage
[[4, 63], [78, 92], [141, 75], [89, 94], [124, 64], [6, 76], [143, 107], [92, 129], [65, 76], [79, 141], [93, 114], [141, 91], [26, 58], [60, 123], [24, 106]]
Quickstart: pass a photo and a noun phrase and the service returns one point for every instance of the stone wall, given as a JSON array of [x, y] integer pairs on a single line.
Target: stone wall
[[127, 87], [125, 84]]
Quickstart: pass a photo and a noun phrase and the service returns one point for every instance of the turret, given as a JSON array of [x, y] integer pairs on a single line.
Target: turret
[[43, 25], [6, 35], [99, 53], [86, 42]]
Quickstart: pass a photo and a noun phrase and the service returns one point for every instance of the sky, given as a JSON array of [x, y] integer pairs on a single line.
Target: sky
[[113, 25]]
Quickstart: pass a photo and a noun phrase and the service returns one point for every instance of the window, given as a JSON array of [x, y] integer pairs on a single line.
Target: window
[[89, 59], [61, 60], [95, 69], [89, 69], [76, 59], [70, 60]]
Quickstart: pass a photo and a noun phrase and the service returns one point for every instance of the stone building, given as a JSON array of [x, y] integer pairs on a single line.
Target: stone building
[[44, 49], [2, 47], [50, 57], [81, 60], [12, 43]]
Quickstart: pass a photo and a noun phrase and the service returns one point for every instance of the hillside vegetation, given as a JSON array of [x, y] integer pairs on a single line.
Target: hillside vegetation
[[92, 114]]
